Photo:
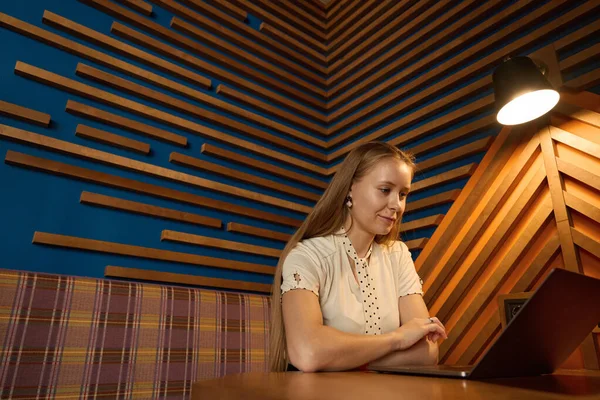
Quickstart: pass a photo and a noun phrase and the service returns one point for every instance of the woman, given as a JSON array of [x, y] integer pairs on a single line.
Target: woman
[[346, 292]]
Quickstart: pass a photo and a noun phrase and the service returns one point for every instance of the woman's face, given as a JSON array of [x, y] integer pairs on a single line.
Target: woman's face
[[379, 198]]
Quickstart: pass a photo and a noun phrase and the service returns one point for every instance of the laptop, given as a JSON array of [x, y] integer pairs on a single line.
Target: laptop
[[549, 326]]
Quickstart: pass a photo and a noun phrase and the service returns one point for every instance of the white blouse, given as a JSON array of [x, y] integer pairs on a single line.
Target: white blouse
[[321, 265]]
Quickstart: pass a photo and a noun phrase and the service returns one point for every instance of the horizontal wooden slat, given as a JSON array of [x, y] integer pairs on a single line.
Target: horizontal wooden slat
[[291, 42], [24, 114], [260, 232], [72, 242], [289, 13], [445, 177], [187, 161], [183, 279], [353, 20], [314, 61], [116, 203], [207, 115], [577, 59], [340, 13], [138, 5], [585, 81], [95, 114], [432, 201], [112, 139], [112, 44], [585, 242], [467, 150], [181, 237], [301, 10], [239, 158], [577, 142], [229, 9], [114, 160], [582, 206], [87, 175], [426, 222], [416, 244]]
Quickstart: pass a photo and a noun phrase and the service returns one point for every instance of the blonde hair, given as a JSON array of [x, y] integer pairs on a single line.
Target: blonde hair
[[327, 217]]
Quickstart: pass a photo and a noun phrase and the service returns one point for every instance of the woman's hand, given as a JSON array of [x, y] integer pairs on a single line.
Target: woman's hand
[[417, 328]]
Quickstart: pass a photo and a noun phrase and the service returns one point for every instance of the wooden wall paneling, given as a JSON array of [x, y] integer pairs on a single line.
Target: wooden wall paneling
[[109, 43], [304, 10], [469, 149], [153, 114], [292, 118], [207, 115], [312, 61], [24, 114], [313, 9], [183, 279], [346, 11], [261, 165], [72, 242], [342, 49], [107, 118], [426, 222], [114, 160], [431, 201], [416, 244], [115, 181], [578, 59], [294, 16], [585, 81], [574, 38], [574, 141], [182, 237], [353, 20], [394, 38], [478, 66], [260, 232], [496, 229], [138, 5], [333, 7], [136, 207], [279, 66], [585, 242], [474, 189], [312, 37], [85, 52], [112, 139], [589, 178], [582, 206], [229, 8], [201, 50], [476, 220], [445, 177], [579, 114], [192, 162], [587, 100]]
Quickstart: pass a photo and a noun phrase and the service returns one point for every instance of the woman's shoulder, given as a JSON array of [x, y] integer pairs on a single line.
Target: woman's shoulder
[[397, 247], [319, 247]]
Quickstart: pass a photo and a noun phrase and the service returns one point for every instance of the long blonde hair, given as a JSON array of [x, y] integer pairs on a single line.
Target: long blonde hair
[[327, 217]]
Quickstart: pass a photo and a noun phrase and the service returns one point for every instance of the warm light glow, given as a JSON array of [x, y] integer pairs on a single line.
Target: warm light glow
[[528, 107]]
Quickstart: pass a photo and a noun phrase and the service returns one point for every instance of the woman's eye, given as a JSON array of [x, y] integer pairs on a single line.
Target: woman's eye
[[384, 190]]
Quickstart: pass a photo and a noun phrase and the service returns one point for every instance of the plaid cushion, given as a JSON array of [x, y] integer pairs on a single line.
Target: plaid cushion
[[72, 337]]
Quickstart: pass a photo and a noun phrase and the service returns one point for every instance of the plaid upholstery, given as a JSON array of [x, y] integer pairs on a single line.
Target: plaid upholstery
[[71, 337]]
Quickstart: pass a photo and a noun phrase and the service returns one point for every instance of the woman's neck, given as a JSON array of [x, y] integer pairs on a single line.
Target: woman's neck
[[361, 240]]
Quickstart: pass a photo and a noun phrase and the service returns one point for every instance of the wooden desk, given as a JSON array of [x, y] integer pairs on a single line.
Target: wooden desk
[[564, 384]]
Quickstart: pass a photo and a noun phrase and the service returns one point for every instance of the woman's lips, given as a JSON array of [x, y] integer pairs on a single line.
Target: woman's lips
[[387, 219]]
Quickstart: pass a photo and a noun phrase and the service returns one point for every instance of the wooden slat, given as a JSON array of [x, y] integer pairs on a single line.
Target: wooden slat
[[585, 81], [416, 244], [576, 142], [314, 9], [305, 10], [138, 5], [582, 175], [85, 52], [193, 46], [115, 181], [432, 201], [24, 114], [116, 203], [582, 206], [333, 7], [107, 42], [230, 9], [587, 100], [101, 246], [311, 60], [469, 149], [334, 19], [181, 237], [156, 115], [355, 21], [427, 222], [261, 165], [296, 18], [294, 44], [585, 242], [114, 160], [293, 118], [444, 177], [207, 115], [260, 232], [577, 59], [183, 279], [574, 38], [587, 116], [187, 161], [111, 119], [112, 139]]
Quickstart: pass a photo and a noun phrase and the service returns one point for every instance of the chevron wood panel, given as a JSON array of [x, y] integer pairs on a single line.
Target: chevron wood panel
[[530, 216]]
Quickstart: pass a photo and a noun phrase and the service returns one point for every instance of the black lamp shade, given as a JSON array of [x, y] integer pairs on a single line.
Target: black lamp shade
[[522, 93]]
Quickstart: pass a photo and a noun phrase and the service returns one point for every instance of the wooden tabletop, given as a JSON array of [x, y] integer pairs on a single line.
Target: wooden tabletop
[[580, 385]]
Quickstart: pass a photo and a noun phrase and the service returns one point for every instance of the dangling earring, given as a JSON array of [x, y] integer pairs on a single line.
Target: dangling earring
[[349, 201]]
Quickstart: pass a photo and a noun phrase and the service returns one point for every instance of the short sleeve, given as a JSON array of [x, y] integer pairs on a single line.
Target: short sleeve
[[300, 271], [408, 281]]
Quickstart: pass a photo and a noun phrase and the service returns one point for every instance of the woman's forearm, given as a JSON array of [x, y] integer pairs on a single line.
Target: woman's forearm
[[423, 352]]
